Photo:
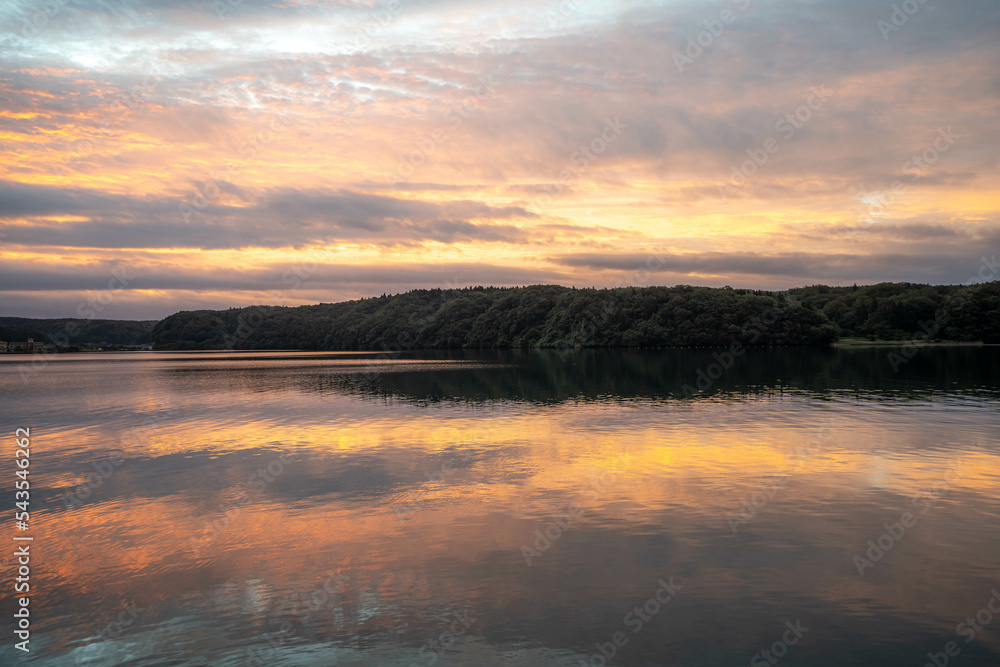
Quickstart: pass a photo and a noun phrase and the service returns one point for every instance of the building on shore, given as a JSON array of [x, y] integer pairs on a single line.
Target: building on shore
[[22, 346]]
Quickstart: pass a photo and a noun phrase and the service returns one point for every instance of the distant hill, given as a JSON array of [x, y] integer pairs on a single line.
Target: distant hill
[[88, 332], [554, 316]]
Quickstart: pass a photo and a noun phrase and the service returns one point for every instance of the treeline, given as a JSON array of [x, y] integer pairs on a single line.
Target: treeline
[[546, 316], [71, 332], [20, 333]]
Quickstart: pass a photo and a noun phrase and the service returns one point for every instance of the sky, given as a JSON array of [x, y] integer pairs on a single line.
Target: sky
[[163, 156]]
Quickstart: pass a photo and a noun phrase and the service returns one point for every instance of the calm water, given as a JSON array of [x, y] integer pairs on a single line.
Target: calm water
[[336, 509]]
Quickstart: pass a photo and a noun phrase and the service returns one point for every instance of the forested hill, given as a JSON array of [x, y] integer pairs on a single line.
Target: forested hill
[[69, 332], [553, 316]]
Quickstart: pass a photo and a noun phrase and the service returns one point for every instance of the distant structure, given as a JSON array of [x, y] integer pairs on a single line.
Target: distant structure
[[29, 346]]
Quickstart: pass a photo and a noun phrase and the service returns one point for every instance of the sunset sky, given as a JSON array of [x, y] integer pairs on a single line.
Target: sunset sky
[[207, 155]]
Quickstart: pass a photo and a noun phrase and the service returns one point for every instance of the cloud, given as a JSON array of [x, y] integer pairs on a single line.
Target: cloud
[[117, 115], [276, 218], [791, 268]]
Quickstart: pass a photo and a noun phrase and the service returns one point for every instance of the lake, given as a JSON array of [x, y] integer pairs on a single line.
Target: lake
[[832, 506]]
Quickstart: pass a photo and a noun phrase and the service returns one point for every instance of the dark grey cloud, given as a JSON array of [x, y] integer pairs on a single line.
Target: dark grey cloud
[[917, 251], [326, 274], [275, 218], [796, 267]]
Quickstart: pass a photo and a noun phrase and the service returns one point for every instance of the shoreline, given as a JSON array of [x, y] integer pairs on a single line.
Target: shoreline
[[906, 343], [838, 344]]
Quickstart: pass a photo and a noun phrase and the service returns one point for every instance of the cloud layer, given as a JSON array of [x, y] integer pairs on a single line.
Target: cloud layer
[[213, 148]]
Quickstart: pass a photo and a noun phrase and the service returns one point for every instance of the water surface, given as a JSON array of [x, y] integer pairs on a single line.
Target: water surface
[[352, 509]]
